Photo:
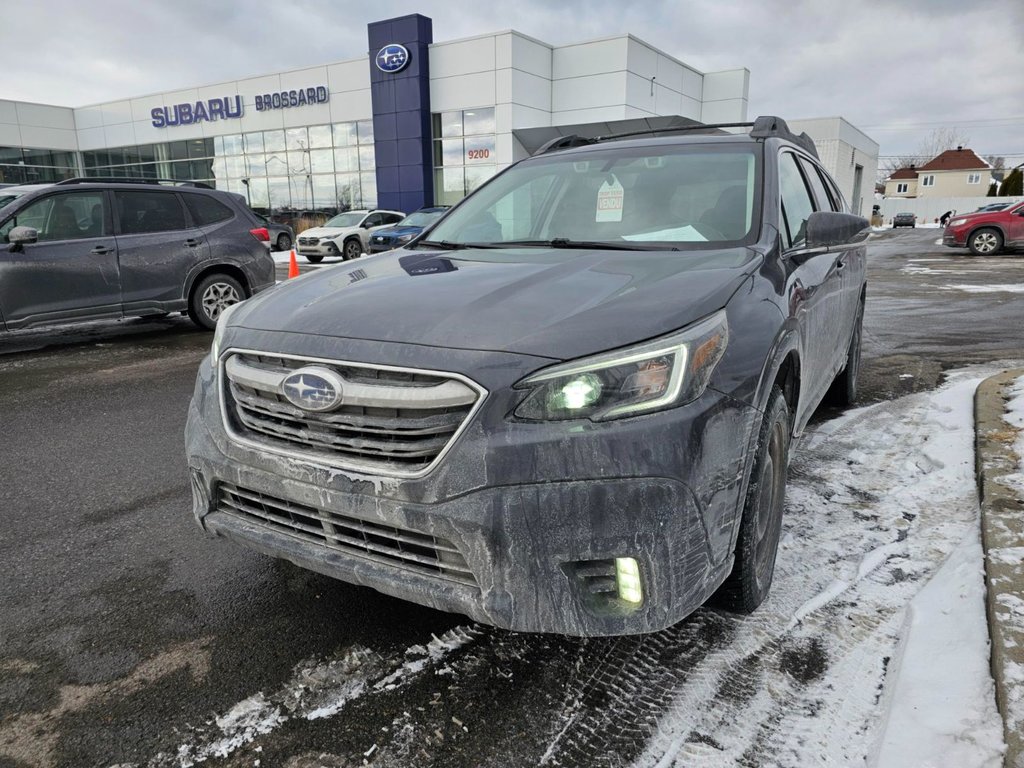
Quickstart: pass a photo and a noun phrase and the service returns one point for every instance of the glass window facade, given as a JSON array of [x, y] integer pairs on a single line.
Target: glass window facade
[[28, 166], [294, 174], [464, 156]]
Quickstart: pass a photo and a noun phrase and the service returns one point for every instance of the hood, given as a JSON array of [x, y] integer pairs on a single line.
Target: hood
[[327, 231], [390, 232], [554, 303]]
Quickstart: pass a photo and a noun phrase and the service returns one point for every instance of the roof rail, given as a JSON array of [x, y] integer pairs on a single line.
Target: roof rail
[[761, 128], [120, 180], [769, 125]]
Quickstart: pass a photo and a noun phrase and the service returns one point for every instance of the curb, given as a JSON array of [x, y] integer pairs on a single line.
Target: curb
[[1002, 527]]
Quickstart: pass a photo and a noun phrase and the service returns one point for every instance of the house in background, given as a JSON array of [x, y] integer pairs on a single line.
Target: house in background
[[955, 173], [902, 183]]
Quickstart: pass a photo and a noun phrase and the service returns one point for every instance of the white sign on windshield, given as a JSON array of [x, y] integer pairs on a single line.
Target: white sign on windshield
[[609, 201]]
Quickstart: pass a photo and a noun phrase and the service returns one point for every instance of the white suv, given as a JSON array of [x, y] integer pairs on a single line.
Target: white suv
[[346, 235]]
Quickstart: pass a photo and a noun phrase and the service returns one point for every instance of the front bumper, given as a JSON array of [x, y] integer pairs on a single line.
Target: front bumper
[[328, 248], [527, 513], [954, 239]]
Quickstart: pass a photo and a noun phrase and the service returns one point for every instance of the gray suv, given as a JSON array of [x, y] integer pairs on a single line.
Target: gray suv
[[86, 249], [568, 406]]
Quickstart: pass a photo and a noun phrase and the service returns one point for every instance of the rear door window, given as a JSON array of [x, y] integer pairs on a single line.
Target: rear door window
[[206, 210], [141, 212]]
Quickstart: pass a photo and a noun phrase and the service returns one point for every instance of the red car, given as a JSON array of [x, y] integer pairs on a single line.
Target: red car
[[987, 232]]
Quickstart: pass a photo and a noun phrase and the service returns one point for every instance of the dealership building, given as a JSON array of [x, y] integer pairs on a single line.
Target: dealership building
[[411, 123]]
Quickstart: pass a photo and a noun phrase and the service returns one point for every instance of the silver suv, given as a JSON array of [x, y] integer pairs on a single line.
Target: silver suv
[[87, 249]]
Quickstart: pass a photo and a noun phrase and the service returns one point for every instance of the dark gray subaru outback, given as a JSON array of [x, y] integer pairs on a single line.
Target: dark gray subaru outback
[[86, 249], [566, 407]]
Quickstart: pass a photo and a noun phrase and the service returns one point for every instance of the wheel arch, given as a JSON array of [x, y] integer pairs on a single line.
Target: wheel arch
[[232, 270]]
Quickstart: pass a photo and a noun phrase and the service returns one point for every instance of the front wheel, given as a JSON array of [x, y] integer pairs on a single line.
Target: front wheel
[[352, 250], [211, 296], [284, 242], [758, 542], [985, 242]]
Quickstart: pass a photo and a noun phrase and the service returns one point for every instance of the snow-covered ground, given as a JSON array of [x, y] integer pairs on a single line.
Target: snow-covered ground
[[871, 650]]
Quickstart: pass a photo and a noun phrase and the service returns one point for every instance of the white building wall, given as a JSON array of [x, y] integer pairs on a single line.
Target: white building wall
[[724, 96], [841, 148], [37, 126]]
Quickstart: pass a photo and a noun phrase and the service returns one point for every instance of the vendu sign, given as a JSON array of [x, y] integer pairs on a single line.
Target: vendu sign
[[230, 108]]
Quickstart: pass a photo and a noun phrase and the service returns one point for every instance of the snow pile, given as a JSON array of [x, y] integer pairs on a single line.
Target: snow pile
[[873, 643], [1000, 288], [316, 690]]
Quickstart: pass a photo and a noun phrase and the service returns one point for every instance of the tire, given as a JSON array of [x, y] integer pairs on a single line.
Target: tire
[[211, 296], [758, 542], [283, 242], [352, 249], [985, 242], [314, 258], [843, 391]]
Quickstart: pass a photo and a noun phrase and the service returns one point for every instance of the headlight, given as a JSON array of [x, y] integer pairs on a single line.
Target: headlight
[[404, 238], [218, 333], [957, 222], [657, 374]]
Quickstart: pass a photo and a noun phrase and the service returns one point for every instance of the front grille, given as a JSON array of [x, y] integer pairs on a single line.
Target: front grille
[[309, 240], [386, 544], [392, 422]]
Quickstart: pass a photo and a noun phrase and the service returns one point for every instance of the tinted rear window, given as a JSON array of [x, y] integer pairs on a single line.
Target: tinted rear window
[[149, 212], [206, 210]]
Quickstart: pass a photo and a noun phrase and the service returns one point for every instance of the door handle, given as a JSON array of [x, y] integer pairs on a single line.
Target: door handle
[[101, 250], [192, 242]]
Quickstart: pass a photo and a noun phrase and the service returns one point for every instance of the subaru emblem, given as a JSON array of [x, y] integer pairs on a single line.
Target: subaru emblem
[[313, 389], [392, 58]]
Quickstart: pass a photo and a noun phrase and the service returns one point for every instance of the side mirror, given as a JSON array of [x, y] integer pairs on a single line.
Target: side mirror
[[20, 236], [366, 225], [826, 229]]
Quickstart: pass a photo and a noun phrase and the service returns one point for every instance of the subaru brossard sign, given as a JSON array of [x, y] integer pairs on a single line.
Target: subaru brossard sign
[[392, 58], [230, 107]]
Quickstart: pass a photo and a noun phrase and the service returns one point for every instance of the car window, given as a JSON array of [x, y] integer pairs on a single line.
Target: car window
[[392, 218], [796, 200], [70, 216], [838, 201], [824, 200], [648, 196], [141, 212], [206, 210], [373, 220]]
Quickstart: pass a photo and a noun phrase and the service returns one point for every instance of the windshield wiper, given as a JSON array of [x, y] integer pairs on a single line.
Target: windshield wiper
[[564, 242], [448, 245]]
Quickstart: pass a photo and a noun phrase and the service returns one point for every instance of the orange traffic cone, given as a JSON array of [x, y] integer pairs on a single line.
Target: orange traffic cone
[[293, 266]]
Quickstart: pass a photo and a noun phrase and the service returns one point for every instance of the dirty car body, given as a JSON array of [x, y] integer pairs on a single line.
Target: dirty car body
[[542, 432]]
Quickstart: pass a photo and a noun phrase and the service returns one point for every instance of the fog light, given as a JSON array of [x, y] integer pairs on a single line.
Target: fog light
[[627, 580]]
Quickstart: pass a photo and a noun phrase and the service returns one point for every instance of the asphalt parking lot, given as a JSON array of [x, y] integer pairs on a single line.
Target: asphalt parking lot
[[127, 638]]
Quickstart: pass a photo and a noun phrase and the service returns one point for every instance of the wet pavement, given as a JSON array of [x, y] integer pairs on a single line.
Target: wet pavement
[[127, 638]]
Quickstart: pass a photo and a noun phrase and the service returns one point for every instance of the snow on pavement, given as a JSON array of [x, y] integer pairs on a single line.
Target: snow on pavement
[[871, 649], [826, 672]]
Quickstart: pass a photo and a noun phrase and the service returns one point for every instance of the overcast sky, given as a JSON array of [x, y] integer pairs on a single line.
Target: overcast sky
[[896, 69]]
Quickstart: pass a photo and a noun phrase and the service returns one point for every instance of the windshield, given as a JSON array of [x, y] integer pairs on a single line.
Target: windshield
[[420, 219], [345, 220], [643, 197]]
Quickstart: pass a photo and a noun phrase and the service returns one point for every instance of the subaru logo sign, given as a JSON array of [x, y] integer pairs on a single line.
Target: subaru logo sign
[[392, 58], [313, 389]]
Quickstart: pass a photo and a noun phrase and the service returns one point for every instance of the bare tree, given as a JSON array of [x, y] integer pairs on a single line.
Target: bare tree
[[932, 145]]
